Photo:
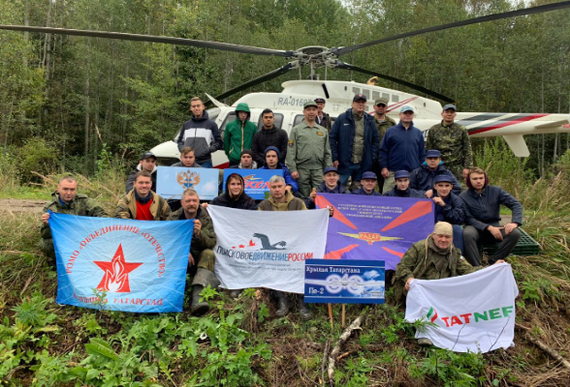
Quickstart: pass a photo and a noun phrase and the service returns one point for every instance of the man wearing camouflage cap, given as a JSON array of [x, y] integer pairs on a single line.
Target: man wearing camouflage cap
[[309, 151], [452, 140]]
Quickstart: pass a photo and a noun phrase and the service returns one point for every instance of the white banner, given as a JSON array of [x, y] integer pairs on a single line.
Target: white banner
[[267, 248], [473, 313]]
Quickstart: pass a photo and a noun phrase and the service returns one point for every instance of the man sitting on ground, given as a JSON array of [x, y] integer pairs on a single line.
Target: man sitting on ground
[[66, 200], [146, 163], [368, 182], [141, 203], [483, 211], [281, 199], [422, 178], [449, 208], [202, 259], [402, 188], [331, 184]]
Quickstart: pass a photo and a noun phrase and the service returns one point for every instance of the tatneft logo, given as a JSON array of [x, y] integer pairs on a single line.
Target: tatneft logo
[[471, 318], [188, 179]]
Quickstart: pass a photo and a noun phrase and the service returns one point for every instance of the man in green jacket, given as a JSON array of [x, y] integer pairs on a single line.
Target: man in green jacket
[[238, 135], [66, 200], [309, 151], [202, 259]]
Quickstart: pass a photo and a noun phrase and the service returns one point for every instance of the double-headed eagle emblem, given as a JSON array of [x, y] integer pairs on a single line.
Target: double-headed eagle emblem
[[188, 179]]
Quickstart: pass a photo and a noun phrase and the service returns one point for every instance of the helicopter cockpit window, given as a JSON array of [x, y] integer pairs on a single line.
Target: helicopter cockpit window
[[229, 118], [278, 121], [298, 119]]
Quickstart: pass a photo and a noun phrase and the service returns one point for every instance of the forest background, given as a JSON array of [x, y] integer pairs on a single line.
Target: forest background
[[66, 101]]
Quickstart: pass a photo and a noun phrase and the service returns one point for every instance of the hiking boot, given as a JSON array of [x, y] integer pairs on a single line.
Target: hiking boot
[[282, 304], [424, 342], [304, 310], [198, 308], [235, 293]]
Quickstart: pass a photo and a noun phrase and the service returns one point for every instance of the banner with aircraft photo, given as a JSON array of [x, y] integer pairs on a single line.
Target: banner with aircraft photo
[[266, 248], [117, 264], [375, 227], [172, 181]]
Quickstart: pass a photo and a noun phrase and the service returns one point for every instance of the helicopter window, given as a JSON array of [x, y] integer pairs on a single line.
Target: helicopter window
[[356, 90], [386, 96], [366, 93], [395, 98], [298, 119], [375, 95], [278, 121], [229, 118]]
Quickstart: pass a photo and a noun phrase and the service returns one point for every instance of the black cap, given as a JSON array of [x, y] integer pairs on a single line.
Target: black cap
[[359, 97], [320, 100], [147, 155]]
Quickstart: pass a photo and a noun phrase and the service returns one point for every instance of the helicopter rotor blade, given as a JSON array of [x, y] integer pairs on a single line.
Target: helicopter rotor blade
[[263, 78], [346, 66], [519, 12], [154, 39]]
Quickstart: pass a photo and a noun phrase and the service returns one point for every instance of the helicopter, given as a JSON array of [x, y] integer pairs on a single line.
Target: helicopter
[[288, 104]]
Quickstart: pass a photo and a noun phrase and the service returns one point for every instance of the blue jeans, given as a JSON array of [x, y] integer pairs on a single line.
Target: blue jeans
[[206, 164], [354, 170]]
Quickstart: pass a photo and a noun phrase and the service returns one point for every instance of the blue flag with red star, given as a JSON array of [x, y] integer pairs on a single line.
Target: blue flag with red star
[[375, 227], [118, 264]]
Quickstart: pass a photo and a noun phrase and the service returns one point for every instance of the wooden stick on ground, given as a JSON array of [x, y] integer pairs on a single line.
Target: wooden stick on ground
[[343, 321], [549, 350], [330, 315], [342, 339]]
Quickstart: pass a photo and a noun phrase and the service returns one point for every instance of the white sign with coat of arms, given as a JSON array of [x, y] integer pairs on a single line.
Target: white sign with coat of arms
[[172, 181]]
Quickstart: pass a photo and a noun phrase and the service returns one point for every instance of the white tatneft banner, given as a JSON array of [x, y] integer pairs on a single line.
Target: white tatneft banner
[[267, 248], [473, 313]]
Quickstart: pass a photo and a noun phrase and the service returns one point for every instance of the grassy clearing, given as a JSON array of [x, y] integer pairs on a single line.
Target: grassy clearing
[[240, 343]]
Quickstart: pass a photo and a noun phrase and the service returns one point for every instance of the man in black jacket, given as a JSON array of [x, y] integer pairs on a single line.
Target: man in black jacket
[[482, 204], [268, 136], [200, 133], [146, 163]]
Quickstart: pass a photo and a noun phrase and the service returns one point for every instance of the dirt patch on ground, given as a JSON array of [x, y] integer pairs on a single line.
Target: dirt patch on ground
[[15, 206]]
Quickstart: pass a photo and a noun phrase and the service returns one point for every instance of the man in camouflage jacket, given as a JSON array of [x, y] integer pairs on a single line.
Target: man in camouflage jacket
[[65, 200], [452, 140]]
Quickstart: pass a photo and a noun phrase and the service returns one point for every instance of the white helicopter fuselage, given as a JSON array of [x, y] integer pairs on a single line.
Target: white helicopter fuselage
[[287, 107]]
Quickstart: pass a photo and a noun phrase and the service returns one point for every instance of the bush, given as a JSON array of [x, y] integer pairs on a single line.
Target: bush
[[37, 155]]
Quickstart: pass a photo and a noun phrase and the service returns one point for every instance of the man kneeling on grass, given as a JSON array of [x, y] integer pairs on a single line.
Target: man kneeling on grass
[[431, 258]]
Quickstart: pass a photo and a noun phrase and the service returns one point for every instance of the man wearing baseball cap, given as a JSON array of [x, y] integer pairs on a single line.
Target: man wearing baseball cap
[[322, 118], [422, 178], [402, 188], [147, 163], [308, 151], [330, 184], [449, 207], [368, 182], [453, 142], [354, 142], [402, 147]]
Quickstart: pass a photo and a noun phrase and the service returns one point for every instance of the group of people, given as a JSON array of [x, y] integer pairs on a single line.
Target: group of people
[[378, 157]]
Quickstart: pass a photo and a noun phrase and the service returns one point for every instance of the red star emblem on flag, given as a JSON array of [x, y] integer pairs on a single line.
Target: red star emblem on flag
[[116, 278]]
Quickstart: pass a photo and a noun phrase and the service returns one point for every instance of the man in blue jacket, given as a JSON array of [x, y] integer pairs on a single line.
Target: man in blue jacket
[[449, 207], [402, 147], [402, 188], [423, 177], [482, 204], [368, 183], [354, 142]]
